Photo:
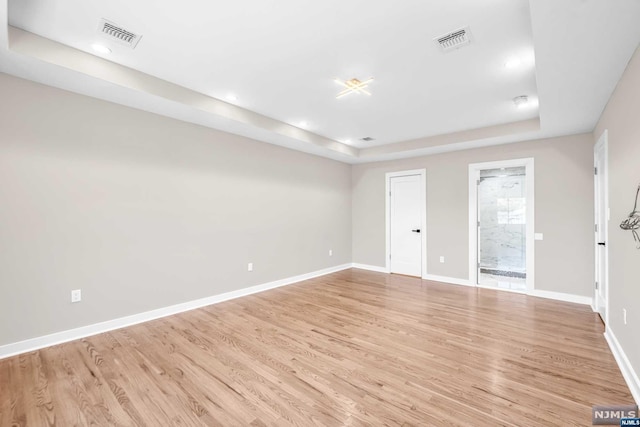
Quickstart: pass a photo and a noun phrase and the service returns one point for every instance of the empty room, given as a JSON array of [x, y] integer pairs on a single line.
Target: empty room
[[319, 213]]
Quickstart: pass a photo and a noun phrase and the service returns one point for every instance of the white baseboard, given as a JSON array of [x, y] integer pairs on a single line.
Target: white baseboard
[[627, 370], [369, 267], [32, 344], [445, 279], [465, 282], [535, 293], [578, 299]]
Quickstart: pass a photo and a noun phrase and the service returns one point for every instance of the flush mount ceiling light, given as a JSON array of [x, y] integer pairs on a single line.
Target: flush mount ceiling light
[[354, 86], [521, 101], [232, 97], [99, 48]]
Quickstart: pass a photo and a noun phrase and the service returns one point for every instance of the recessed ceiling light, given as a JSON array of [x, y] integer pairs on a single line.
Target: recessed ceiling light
[[231, 97], [521, 101], [99, 48], [303, 124], [513, 63]]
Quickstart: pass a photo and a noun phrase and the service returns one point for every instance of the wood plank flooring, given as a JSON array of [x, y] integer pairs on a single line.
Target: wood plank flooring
[[353, 348]]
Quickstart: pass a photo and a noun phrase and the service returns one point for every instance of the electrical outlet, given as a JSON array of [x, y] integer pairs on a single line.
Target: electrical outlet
[[330, 252], [250, 266], [76, 295], [442, 259], [624, 315]]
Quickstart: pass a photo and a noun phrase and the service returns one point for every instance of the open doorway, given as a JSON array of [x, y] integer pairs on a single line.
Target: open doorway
[[501, 209], [502, 226]]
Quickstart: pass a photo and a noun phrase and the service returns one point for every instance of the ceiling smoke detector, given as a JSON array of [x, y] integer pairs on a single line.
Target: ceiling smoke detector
[[454, 40], [521, 101], [118, 34]]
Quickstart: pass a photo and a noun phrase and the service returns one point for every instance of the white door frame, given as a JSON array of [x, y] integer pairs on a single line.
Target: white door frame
[[423, 214], [603, 141], [474, 176]]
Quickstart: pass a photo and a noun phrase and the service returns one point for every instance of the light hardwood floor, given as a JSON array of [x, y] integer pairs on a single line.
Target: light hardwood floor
[[352, 348]]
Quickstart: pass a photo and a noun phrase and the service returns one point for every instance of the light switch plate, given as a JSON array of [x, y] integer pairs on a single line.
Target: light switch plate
[[538, 236]]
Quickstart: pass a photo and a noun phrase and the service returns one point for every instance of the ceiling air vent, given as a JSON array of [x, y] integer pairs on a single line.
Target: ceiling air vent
[[118, 34], [454, 40], [367, 139]]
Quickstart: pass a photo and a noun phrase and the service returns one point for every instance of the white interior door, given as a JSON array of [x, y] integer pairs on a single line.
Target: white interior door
[[601, 226], [405, 225]]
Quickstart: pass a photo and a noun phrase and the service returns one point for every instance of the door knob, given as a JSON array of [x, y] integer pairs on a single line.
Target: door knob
[[417, 230]]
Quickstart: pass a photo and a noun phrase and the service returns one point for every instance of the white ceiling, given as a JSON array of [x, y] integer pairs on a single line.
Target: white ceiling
[[280, 59]]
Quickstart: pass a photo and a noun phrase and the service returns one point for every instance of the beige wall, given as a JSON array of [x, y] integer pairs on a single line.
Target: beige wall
[[621, 118], [563, 198], [141, 211]]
